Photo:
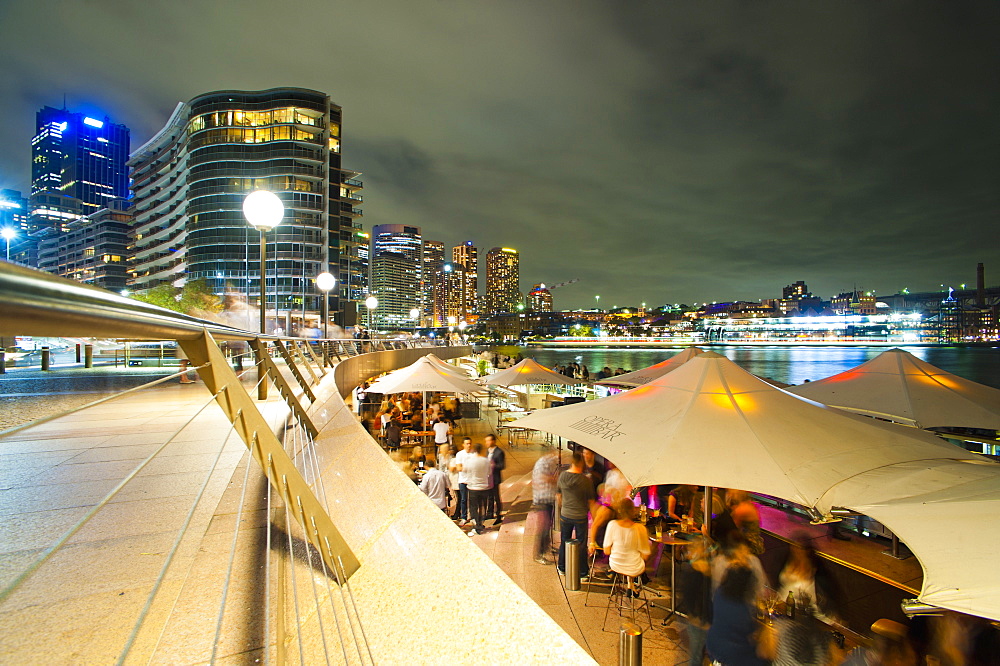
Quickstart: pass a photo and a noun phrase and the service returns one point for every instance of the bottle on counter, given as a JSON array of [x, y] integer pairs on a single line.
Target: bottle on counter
[[790, 605]]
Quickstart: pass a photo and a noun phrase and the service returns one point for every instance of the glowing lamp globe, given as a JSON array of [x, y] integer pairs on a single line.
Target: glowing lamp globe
[[8, 233], [371, 302], [263, 209], [325, 281]]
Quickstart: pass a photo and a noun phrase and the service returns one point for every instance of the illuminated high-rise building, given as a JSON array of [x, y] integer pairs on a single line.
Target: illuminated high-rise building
[[13, 211], [190, 181], [79, 157], [396, 258], [92, 250], [434, 261], [466, 255], [540, 299], [503, 293], [449, 296]]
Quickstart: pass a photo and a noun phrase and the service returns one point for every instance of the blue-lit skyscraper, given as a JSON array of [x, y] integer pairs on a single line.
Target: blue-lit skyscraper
[[79, 157]]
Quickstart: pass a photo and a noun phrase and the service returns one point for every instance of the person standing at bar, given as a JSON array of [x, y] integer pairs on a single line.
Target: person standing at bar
[[575, 497]]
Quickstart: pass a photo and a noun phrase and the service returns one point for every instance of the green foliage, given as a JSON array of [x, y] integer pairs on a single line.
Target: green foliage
[[581, 331], [195, 297]]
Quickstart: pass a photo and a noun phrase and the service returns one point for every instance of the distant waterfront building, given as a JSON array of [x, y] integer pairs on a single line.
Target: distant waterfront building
[[540, 299], [396, 259], [190, 180], [502, 281], [79, 157], [466, 256], [92, 250], [854, 302]]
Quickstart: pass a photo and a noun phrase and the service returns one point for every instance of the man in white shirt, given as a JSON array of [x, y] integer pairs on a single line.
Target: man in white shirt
[[435, 485], [458, 465], [477, 470], [442, 432]]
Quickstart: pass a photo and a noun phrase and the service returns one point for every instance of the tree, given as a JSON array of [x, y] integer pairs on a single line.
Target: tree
[[194, 298]]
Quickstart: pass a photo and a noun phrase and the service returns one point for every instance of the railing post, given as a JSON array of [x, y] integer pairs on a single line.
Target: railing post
[[3, 361], [630, 645], [78, 351], [261, 370], [88, 356], [46, 358]]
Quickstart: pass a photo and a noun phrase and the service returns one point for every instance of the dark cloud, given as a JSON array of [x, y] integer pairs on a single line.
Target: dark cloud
[[660, 152]]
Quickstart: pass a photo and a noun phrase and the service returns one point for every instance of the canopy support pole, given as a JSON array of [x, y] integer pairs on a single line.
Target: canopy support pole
[[707, 510]]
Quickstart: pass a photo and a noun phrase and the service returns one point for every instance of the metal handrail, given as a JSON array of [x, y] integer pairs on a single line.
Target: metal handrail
[[36, 303]]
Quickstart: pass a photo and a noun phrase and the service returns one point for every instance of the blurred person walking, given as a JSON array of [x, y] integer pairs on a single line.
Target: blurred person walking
[[543, 496], [435, 485]]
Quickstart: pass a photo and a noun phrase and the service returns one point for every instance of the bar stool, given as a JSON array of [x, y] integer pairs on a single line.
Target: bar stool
[[623, 598]]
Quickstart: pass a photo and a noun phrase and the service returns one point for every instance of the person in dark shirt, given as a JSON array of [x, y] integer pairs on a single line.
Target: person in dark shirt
[[695, 589], [575, 497], [393, 433], [593, 468], [732, 638]]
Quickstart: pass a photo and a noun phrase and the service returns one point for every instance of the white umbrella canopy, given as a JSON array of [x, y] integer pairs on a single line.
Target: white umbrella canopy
[[711, 423], [945, 511], [423, 375], [898, 385], [436, 360], [528, 371], [646, 375]]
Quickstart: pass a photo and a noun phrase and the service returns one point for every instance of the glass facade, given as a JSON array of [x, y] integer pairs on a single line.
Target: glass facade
[[79, 157], [190, 181]]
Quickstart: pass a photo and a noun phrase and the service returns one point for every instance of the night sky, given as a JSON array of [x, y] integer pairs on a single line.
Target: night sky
[[661, 152]]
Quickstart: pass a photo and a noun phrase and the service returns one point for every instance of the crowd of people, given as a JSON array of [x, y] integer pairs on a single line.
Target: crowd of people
[[736, 615]]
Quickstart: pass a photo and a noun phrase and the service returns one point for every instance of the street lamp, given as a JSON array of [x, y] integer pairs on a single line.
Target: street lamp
[[415, 316], [597, 300], [8, 234], [263, 210], [371, 303], [325, 282]]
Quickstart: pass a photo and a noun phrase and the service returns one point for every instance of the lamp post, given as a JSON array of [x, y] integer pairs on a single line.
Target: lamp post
[[325, 282], [415, 316], [8, 234], [371, 303], [597, 300], [263, 210]]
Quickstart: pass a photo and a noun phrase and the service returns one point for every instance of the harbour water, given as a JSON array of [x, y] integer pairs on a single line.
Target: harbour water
[[791, 365]]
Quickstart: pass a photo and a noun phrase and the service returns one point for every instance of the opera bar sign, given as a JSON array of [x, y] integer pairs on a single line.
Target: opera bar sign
[[598, 426]]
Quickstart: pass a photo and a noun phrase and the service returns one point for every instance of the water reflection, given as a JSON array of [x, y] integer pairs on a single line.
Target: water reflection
[[791, 365]]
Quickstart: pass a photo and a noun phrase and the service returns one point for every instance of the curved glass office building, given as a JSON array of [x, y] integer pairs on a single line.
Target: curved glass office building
[[190, 181]]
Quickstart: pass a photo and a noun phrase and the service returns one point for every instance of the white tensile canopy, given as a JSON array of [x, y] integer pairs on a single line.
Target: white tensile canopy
[[528, 371], [945, 512], [899, 386], [711, 423], [646, 375], [423, 375], [433, 358]]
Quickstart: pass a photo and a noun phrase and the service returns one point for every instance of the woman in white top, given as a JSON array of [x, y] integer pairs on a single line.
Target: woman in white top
[[626, 542]]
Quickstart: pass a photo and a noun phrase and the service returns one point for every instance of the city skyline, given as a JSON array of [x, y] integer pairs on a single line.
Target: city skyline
[[666, 154]]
